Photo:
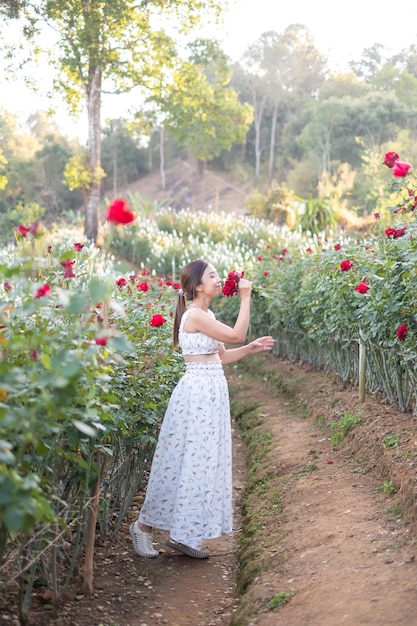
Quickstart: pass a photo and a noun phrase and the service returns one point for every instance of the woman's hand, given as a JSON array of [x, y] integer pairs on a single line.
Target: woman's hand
[[262, 344], [245, 288]]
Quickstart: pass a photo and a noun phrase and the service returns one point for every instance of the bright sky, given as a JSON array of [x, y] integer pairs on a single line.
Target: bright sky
[[340, 31]]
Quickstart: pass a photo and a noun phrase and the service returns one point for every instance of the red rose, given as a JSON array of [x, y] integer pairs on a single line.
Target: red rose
[[78, 246], [401, 168], [230, 287], [394, 233], [101, 341], [157, 320], [42, 291], [22, 230], [402, 331], [390, 159], [142, 286], [67, 265], [337, 246], [362, 287], [121, 282], [346, 265], [119, 212]]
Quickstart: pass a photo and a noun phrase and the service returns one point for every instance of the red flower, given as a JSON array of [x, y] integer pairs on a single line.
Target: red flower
[[7, 286], [176, 285], [119, 212], [67, 265], [157, 320], [101, 341], [337, 246], [401, 168], [377, 216], [22, 230], [121, 282], [230, 287], [309, 250], [266, 273], [142, 286], [34, 355], [346, 265], [284, 251], [390, 159], [78, 246], [394, 233], [42, 291], [362, 287], [402, 331]]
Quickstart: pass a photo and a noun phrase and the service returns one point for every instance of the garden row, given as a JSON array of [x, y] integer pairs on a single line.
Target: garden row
[[87, 366]]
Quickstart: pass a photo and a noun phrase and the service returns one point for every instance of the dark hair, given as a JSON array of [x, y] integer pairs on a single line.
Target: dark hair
[[190, 277]]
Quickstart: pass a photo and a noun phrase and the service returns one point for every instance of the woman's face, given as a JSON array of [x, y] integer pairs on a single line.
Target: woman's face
[[211, 283]]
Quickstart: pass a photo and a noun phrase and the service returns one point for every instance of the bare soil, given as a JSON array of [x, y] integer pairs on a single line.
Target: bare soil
[[188, 188], [324, 535]]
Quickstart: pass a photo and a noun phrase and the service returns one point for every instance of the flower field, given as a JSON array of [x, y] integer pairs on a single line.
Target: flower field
[[87, 365]]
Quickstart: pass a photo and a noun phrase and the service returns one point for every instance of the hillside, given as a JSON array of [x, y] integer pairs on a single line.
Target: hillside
[[185, 187]]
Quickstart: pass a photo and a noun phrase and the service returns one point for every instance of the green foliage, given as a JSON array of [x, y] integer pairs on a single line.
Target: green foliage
[[342, 427], [281, 598]]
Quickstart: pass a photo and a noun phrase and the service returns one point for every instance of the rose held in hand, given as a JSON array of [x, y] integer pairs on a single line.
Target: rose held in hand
[[230, 287]]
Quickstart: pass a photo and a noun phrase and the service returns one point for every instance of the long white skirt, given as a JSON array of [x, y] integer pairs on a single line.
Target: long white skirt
[[190, 484]]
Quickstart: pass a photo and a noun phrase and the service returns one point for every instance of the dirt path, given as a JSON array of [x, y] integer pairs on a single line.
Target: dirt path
[[348, 558], [336, 546]]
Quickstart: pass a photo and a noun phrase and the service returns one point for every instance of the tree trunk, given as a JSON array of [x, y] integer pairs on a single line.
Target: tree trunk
[[94, 154], [162, 156], [258, 111], [272, 141]]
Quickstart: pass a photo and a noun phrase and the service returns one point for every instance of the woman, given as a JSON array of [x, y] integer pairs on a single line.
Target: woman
[[189, 491]]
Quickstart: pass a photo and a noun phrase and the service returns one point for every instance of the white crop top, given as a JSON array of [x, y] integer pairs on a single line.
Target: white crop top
[[196, 343]]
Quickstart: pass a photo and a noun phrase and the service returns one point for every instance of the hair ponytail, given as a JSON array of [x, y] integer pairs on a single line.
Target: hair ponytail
[[180, 308]]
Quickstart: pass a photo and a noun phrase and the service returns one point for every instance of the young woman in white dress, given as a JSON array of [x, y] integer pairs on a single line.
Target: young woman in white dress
[[189, 492]]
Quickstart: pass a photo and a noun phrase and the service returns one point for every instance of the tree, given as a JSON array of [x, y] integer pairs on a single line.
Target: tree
[[281, 68], [114, 46], [198, 106]]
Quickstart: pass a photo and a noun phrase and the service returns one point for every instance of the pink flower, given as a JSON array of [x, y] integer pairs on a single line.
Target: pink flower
[[42, 291], [157, 320], [309, 250], [34, 355], [119, 212], [402, 331], [346, 265], [390, 159], [7, 286], [142, 286], [377, 216], [401, 168], [362, 287], [78, 246]]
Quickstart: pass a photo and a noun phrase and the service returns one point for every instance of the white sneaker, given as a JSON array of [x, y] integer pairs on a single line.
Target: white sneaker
[[142, 542]]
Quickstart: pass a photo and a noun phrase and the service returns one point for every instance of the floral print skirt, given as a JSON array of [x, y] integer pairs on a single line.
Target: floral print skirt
[[190, 484]]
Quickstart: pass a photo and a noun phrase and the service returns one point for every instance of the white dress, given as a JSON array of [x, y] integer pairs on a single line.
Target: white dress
[[190, 484]]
